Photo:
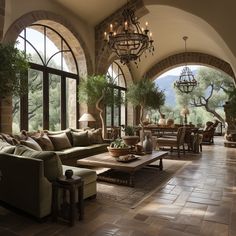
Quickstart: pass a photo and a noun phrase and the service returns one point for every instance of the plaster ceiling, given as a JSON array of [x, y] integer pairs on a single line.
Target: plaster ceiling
[[167, 23], [92, 11]]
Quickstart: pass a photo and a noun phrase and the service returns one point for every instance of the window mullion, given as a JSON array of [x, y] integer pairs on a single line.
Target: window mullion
[[45, 100], [63, 103]]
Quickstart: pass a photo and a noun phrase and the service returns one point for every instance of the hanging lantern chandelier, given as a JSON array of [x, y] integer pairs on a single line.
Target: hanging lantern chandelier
[[186, 82], [128, 40]]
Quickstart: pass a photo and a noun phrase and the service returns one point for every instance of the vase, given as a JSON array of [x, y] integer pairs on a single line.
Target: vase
[[147, 145], [69, 173]]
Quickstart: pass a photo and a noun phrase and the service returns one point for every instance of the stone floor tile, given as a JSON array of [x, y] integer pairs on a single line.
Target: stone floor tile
[[218, 214], [193, 229], [214, 229], [201, 195], [182, 198], [204, 201], [199, 201], [173, 232]]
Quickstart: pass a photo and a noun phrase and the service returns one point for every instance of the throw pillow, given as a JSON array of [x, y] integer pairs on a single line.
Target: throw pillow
[[6, 147], [95, 136], [66, 131], [22, 136], [9, 138], [44, 141], [52, 163], [80, 138], [60, 141], [31, 143]]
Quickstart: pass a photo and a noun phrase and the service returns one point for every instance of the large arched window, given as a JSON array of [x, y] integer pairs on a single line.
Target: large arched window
[[51, 102], [116, 115]]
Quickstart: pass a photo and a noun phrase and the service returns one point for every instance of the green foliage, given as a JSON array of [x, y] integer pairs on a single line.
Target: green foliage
[[232, 102], [94, 87], [144, 93], [129, 130], [210, 94], [118, 143], [13, 71]]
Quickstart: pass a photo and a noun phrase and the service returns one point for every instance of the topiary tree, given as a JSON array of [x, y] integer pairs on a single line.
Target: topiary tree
[[146, 95], [98, 90]]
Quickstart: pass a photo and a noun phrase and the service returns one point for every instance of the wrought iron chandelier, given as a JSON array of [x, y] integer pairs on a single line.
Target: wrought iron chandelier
[[186, 82], [128, 40]]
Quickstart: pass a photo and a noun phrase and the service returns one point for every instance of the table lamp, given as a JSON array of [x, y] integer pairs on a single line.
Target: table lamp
[[184, 112], [87, 117]]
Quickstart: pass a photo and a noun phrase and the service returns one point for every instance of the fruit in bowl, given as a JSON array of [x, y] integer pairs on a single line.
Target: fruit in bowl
[[118, 148]]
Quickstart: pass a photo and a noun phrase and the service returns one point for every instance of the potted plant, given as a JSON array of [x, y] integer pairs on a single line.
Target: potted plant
[[145, 95], [129, 137], [98, 90], [118, 148]]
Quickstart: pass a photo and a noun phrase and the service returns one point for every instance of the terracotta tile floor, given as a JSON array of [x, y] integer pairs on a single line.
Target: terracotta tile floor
[[198, 200]]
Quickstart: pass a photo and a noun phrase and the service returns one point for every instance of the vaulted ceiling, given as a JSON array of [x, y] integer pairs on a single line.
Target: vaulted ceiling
[[206, 24]]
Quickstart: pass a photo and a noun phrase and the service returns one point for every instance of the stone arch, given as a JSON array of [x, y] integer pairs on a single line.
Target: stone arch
[[191, 58], [62, 26], [2, 17]]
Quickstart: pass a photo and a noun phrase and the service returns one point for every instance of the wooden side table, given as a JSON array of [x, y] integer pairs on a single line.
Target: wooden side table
[[67, 210]]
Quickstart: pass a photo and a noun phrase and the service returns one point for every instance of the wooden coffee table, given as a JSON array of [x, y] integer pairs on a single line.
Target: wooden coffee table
[[122, 172]]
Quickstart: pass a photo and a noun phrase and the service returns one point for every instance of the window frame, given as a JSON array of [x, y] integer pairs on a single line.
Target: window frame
[[64, 75], [119, 88]]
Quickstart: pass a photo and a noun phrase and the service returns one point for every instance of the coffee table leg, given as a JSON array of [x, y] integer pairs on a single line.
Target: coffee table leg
[[161, 164], [131, 179]]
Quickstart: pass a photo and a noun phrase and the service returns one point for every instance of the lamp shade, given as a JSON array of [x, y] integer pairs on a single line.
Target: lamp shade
[[87, 117], [184, 111]]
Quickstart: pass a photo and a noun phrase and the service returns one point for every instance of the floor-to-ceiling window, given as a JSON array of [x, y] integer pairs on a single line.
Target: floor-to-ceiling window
[[116, 114], [51, 102]]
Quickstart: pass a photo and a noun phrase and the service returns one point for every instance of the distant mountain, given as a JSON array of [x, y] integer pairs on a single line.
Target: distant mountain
[[166, 84]]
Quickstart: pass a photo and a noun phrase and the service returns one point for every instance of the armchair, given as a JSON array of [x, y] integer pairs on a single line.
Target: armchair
[[208, 132], [171, 142]]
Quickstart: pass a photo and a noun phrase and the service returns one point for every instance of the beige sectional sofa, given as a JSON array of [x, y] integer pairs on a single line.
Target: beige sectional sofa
[[26, 175], [69, 144]]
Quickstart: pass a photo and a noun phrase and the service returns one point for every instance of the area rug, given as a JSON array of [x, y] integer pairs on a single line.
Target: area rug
[[147, 181]]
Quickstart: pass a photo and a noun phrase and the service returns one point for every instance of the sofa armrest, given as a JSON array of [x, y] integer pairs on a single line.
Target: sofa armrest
[[23, 184]]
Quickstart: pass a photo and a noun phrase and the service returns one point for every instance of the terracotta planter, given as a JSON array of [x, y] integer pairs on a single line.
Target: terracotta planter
[[130, 140]]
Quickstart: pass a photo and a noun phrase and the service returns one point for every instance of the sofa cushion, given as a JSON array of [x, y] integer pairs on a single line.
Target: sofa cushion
[[52, 163], [60, 141], [6, 147], [80, 138], [44, 141], [31, 143], [95, 136], [66, 131], [87, 175], [76, 153], [9, 138], [21, 136]]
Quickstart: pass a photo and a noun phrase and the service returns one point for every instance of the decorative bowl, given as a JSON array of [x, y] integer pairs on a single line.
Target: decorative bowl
[[116, 152], [130, 140]]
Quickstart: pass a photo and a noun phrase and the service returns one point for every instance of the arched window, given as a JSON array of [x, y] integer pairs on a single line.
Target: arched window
[[51, 102], [116, 115]]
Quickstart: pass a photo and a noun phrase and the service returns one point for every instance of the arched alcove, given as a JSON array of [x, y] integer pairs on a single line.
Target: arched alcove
[[191, 58]]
